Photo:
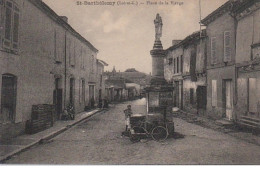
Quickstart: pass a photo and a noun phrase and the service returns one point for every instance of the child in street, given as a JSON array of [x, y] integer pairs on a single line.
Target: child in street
[[128, 112]]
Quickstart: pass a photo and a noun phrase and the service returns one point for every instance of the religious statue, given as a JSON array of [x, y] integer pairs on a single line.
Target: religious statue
[[158, 27]]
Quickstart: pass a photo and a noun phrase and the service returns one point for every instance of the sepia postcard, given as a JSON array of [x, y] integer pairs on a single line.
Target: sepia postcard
[[129, 82]]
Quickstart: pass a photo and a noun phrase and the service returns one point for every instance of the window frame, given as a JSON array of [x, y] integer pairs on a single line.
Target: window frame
[[214, 96], [10, 43], [213, 56], [227, 58]]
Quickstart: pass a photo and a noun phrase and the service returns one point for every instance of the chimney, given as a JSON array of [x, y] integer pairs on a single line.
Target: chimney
[[64, 18]]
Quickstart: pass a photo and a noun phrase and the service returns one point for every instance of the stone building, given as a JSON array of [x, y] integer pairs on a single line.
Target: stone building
[[173, 68], [248, 63], [43, 60], [221, 76], [194, 73]]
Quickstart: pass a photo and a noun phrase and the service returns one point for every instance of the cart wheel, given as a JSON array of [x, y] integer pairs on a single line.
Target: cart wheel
[[159, 133]]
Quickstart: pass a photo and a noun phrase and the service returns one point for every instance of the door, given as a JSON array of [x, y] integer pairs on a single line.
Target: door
[[92, 95], [57, 98], [72, 84], [228, 100], [8, 98], [201, 94], [176, 95]]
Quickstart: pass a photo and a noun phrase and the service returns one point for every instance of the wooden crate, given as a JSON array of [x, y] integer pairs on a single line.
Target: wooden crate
[[42, 117]]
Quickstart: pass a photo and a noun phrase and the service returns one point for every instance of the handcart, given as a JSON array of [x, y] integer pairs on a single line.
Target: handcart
[[157, 123]]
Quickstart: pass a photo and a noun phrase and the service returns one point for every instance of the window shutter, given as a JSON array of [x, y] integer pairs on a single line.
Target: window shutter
[[8, 24], [214, 93], [252, 102], [80, 90], [213, 50], [227, 46], [16, 19], [1, 22]]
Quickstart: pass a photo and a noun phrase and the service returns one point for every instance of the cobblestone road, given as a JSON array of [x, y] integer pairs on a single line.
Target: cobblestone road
[[99, 141]]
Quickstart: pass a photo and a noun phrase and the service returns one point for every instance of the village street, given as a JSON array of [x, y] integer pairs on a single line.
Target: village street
[[99, 141]]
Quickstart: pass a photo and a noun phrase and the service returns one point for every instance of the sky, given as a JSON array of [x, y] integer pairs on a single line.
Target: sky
[[125, 34]]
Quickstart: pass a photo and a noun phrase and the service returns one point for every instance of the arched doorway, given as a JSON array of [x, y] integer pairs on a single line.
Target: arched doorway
[[57, 97], [8, 97]]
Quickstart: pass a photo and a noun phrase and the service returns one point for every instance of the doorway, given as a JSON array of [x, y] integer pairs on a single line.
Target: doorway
[[176, 94], [72, 92], [57, 98], [92, 95], [201, 93], [8, 97], [228, 99]]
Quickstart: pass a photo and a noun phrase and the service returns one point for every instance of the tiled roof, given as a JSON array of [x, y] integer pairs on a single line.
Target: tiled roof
[[189, 38]]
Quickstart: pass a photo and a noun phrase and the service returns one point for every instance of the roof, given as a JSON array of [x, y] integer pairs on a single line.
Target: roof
[[216, 13], [117, 83], [243, 5], [102, 62], [194, 36], [55, 17]]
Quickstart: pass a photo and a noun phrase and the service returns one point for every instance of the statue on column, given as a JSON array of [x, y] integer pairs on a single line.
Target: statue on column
[[158, 27]]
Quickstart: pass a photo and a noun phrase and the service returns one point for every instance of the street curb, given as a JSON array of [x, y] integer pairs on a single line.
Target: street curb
[[45, 138]]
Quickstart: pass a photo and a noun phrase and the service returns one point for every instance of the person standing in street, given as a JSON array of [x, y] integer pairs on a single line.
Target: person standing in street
[[128, 112]]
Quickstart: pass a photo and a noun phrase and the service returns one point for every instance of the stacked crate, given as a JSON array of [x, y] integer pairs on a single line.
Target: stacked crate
[[42, 118]]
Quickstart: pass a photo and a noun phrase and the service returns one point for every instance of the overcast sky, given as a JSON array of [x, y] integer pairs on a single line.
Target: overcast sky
[[124, 35]]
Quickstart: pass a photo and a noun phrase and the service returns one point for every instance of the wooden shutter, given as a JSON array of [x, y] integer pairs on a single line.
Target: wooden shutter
[[80, 85], [252, 102], [8, 24], [213, 50], [193, 65], [227, 46], [214, 93], [1, 22], [16, 18]]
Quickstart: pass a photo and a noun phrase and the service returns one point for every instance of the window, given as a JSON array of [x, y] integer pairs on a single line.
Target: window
[[170, 61], [174, 66], [252, 101], [93, 64], [177, 64], [82, 65], [83, 91], [213, 50], [227, 46], [214, 93], [192, 96], [72, 53], [181, 63], [101, 79], [11, 26]]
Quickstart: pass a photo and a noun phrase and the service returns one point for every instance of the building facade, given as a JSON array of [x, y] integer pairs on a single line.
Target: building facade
[[194, 73], [173, 68], [221, 76], [43, 60], [248, 63]]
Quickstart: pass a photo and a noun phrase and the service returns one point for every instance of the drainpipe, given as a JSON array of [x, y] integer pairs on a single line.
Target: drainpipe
[[236, 70], [65, 70]]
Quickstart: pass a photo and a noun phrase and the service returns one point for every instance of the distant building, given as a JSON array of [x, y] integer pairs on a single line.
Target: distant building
[[131, 74]]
